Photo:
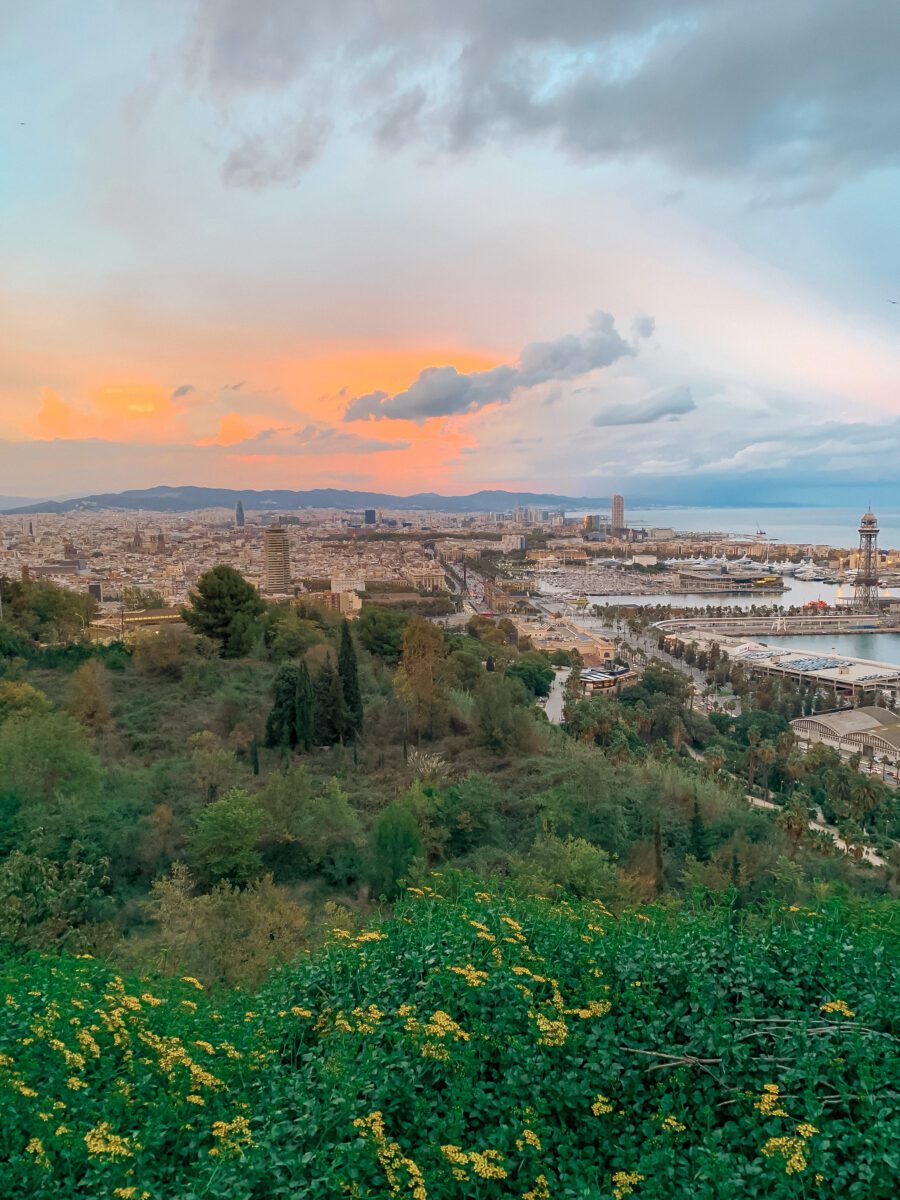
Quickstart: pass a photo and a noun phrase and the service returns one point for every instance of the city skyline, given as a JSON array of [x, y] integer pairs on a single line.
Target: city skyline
[[637, 248]]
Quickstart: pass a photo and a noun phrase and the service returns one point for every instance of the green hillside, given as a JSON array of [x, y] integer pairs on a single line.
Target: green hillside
[[474, 1045]]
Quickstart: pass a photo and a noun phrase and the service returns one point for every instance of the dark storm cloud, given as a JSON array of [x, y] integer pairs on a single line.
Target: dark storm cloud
[[444, 391], [184, 390], [795, 98], [670, 402]]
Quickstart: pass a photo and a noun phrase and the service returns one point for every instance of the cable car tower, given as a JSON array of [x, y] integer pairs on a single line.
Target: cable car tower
[[865, 587]]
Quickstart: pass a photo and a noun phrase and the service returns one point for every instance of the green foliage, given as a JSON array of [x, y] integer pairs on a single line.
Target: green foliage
[[167, 654], [703, 1054], [21, 699], [226, 608], [43, 612], [43, 902], [499, 725], [291, 721], [225, 840], [348, 669], [570, 865], [311, 829], [49, 781], [534, 672], [396, 843], [137, 598], [330, 721], [381, 631], [228, 935]]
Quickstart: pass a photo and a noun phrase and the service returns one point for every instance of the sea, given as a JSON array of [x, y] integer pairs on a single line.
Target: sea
[[806, 526]]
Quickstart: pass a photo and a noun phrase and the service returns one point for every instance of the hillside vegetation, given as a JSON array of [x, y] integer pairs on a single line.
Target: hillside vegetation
[[475, 1044]]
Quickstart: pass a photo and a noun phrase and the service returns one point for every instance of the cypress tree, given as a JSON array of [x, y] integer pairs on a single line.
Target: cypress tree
[[254, 756], [330, 724], [281, 725], [699, 840], [348, 670], [304, 709]]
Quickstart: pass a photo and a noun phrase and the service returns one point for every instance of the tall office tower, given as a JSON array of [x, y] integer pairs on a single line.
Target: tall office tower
[[277, 559], [159, 543], [239, 515], [618, 514], [369, 516], [865, 587]]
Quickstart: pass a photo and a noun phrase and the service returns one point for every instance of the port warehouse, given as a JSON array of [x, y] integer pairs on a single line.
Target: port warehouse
[[870, 731]]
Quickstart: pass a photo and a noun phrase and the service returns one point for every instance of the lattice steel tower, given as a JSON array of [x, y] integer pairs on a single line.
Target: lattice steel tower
[[865, 589]]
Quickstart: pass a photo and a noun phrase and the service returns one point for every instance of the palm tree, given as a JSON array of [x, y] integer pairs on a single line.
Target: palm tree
[[753, 740], [794, 820], [867, 796], [841, 787], [766, 755]]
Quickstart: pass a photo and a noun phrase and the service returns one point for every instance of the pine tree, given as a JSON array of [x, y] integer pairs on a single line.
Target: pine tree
[[348, 670], [304, 709], [330, 724], [281, 726]]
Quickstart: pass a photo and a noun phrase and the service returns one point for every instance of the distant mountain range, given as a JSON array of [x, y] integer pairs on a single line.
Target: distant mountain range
[[8, 502], [187, 499]]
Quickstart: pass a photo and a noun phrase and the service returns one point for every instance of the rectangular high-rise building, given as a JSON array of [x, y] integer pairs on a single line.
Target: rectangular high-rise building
[[369, 516], [276, 560], [618, 514]]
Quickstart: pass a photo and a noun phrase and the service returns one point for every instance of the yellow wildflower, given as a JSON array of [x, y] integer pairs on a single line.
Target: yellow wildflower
[[36, 1148], [671, 1125], [837, 1006], [528, 1138], [624, 1183], [103, 1143], [472, 977], [791, 1149], [769, 1103], [601, 1106], [232, 1137], [192, 981], [540, 1191]]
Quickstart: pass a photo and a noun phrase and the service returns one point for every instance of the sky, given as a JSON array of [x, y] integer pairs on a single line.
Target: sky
[[644, 246]]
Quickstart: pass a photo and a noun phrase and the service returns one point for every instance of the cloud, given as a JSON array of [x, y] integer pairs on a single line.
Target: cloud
[[669, 402], [643, 326], [444, 391], [284, 158], [184, 390], [796, 98], [310, 439]]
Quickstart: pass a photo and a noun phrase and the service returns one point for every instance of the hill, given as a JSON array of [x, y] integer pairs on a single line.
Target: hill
[[474, 1045], [187, 499]]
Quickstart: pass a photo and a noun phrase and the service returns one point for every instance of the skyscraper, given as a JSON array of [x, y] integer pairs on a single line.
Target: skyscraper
[[369, 516], [239, 515], [276, 559], [618, 514]]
